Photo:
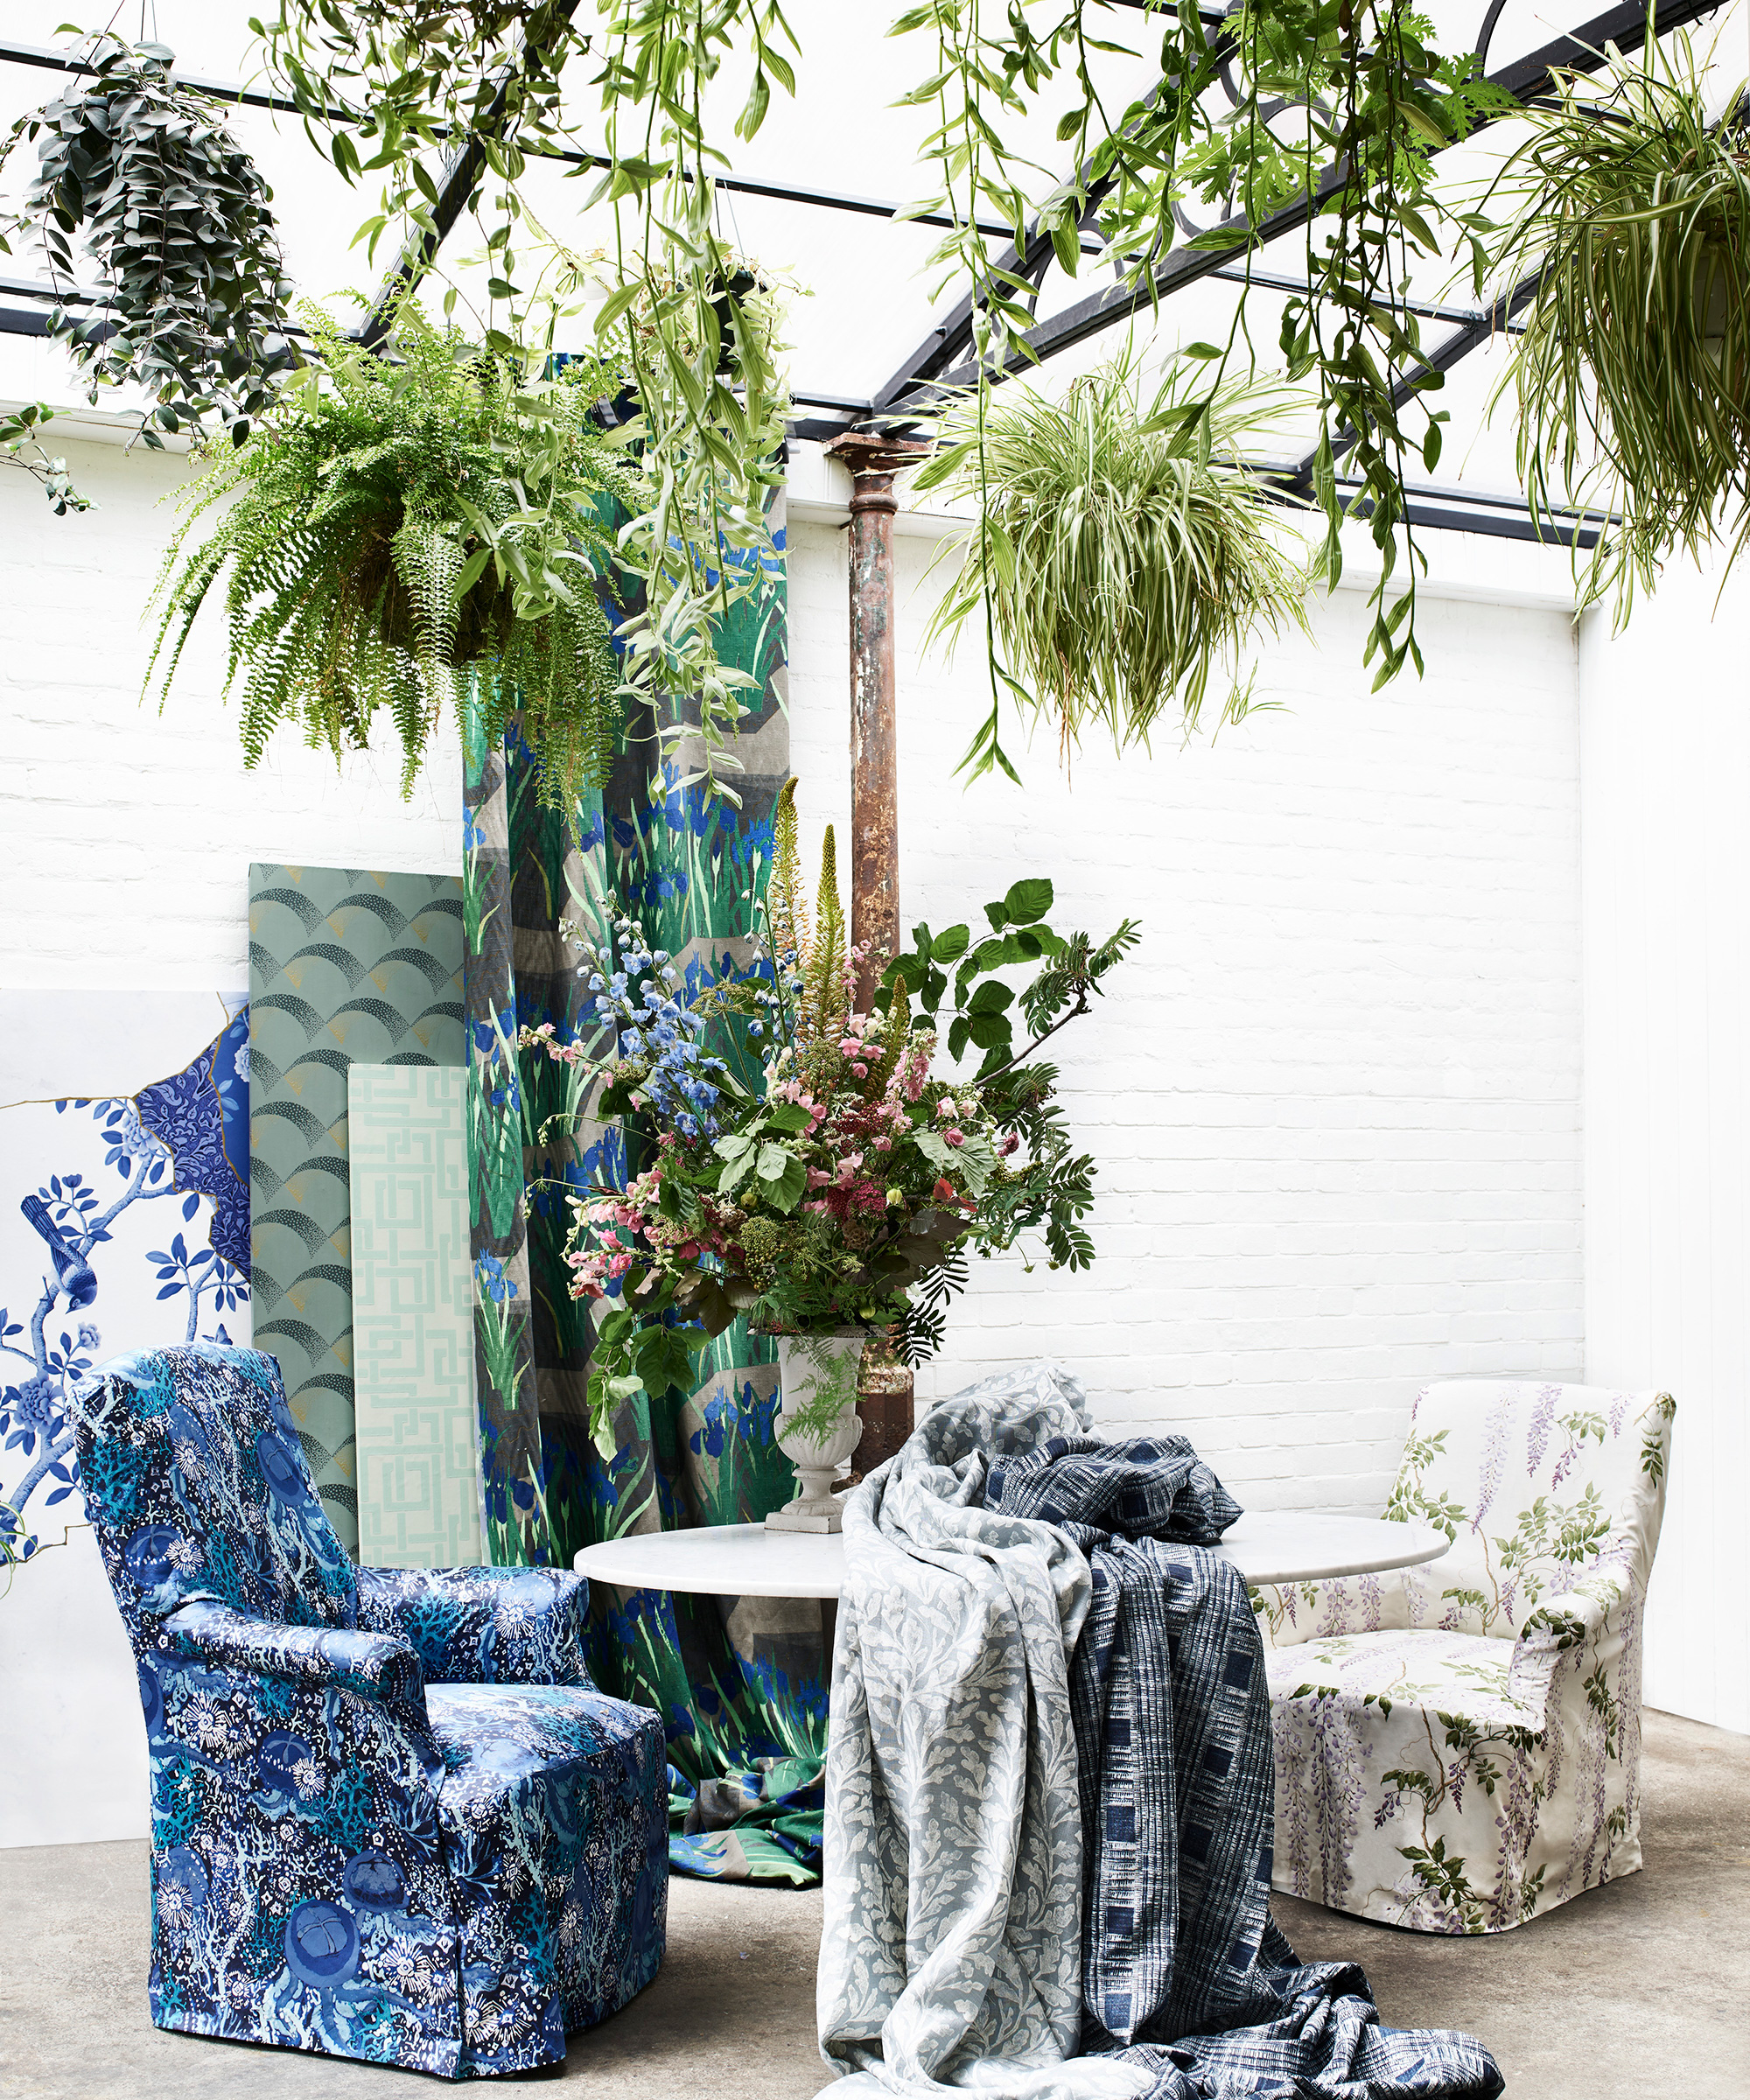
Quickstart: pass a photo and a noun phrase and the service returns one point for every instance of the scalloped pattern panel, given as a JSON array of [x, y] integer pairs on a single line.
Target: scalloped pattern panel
[[347, 966]]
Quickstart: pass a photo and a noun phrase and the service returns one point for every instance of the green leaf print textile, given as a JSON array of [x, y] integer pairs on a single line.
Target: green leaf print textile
[[739, 1684]]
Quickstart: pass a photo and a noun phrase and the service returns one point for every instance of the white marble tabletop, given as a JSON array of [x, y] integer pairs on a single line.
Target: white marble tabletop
[[747, 1560]]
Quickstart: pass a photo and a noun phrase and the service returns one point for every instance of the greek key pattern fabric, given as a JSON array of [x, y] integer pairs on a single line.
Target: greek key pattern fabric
[[413, 1317], [1459, 1746], [346, 1858]]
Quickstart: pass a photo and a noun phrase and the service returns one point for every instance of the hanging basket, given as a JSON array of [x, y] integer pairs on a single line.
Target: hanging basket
[[484, 620]]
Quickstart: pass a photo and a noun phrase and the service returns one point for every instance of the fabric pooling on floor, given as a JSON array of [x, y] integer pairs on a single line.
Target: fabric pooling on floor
[[1049, 1789]]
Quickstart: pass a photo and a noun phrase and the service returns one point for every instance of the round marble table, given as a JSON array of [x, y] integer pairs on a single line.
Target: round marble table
[[747, 1560]]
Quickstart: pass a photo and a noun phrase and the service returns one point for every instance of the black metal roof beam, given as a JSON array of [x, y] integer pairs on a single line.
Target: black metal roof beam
[[1525, 78], [230, 91], [784, 192], [1429, 309], [792, 192], [456, 184]]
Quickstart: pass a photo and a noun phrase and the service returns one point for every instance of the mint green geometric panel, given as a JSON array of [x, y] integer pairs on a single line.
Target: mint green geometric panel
[[347, 966], [413, 1317]]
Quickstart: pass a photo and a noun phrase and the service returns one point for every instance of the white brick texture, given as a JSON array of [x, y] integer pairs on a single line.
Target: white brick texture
[[1335, 1095]]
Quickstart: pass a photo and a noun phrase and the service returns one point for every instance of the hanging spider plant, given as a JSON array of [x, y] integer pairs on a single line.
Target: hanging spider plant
[[1122, 547], [1631, 236], [401, 524]]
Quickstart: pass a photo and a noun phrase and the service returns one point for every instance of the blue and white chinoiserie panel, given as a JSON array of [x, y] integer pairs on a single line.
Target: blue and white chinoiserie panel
[[418, 1477], [124, 1216]]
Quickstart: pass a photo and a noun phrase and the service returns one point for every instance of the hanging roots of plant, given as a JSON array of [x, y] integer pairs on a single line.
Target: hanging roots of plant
[[1632, 379], [1123, 549], [402, 524]]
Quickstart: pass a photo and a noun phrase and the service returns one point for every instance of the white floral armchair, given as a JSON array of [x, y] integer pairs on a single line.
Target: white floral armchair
[[1457, 1746]]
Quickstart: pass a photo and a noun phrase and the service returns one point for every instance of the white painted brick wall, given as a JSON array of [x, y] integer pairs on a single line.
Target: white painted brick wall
[[129, 835], [1336, 1094]]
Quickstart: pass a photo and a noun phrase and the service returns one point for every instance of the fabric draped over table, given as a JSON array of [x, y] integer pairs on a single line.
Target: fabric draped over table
[[1050, 1789], [740, 1684]]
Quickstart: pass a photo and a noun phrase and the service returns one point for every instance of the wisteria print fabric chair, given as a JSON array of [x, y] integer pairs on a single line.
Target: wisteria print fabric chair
[[391, 1817], [1457, 1746]]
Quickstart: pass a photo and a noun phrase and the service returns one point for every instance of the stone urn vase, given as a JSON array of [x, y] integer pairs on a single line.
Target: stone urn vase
[[817, 1422]]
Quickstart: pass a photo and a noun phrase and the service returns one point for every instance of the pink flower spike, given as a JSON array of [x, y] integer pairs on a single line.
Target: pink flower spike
[[953, 1137]]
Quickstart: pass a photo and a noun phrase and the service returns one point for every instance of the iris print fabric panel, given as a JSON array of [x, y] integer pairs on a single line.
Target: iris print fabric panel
[[345, 965], [512, 1469], [741, 1685], [413, 1328]]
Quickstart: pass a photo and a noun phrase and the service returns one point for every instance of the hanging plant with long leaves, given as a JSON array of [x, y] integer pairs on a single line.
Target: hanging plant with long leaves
[[1333, 109], [175, 217], [1630, 238], [1123, 552], [400, 525]]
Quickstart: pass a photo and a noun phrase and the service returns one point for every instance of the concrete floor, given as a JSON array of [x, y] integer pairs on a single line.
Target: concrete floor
[[1634, 1989]]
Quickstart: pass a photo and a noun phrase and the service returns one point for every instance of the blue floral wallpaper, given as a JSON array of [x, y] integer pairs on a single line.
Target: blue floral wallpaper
[[135, 1227]]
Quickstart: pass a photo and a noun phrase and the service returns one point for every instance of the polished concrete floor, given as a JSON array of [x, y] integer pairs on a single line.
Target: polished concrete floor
[[1638, 1989]]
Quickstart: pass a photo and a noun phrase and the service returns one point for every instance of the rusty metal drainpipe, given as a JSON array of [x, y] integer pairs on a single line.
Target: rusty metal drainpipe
[[883, 1387], [873, 462]]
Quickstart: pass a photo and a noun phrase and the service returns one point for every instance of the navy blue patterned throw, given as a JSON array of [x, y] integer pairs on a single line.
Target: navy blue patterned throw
[[1183, 1967]]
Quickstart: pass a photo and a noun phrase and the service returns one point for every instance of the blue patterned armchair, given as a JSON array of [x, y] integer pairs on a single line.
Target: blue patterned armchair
[[392, 1818]]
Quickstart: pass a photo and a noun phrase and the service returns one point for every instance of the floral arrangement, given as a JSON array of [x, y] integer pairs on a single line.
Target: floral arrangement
[[843, 1193]]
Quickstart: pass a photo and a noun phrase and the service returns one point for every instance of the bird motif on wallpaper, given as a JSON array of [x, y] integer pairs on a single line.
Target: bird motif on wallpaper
[[75, 1275]]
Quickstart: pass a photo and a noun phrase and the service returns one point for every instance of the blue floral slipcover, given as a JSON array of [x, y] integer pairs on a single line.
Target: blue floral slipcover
[[392, 1818]]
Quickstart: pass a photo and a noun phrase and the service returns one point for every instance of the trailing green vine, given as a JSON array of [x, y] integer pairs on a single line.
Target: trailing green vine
[[21, 446], [1337, 108]]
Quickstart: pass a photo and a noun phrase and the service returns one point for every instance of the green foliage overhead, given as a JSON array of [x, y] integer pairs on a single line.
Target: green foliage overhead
[[21, 446], [400, 524], [1332, 107], [382, 82], [175, 217], [1632, 379], [1123, 550]]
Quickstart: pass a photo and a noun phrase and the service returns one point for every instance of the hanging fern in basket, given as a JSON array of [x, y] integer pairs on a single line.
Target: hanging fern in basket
[[397, 525], [1122, 550]]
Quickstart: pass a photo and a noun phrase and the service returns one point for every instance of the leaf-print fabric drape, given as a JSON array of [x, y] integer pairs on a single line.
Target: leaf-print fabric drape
[[740, 1682]]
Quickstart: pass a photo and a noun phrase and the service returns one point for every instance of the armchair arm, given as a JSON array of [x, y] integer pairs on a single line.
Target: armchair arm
[[484, 1626], [1583, 1617], [374, 1666]]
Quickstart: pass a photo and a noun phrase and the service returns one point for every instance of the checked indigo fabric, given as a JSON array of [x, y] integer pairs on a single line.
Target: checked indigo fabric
[[392, 1818], [1050, 1789]]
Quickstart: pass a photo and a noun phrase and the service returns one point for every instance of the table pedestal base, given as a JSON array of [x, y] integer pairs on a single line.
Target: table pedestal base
[[821, 1515]]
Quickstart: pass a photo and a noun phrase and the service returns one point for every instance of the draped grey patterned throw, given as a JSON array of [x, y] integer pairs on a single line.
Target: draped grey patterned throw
[[1049, 1789]]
